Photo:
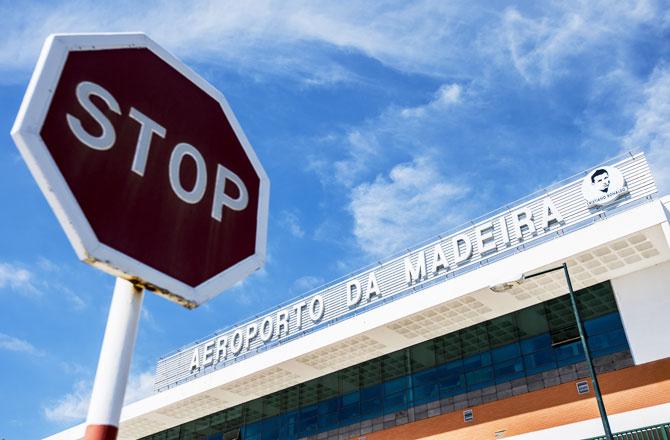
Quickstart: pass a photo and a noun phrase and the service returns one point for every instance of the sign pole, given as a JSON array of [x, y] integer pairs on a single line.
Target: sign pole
[[111, 377]]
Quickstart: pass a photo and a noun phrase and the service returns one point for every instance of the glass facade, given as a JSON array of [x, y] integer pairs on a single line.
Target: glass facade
[[523, 343]]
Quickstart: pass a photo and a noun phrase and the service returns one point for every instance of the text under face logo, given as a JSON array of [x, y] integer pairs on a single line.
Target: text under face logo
[[603, 185]]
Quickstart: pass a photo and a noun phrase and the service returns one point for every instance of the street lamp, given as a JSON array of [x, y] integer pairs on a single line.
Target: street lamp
[[596, 388]]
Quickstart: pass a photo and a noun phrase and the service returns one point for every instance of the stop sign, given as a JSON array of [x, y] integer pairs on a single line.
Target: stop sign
[[144, 164]]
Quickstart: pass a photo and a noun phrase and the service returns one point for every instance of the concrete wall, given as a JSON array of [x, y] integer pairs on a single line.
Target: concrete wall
[[643, 298]]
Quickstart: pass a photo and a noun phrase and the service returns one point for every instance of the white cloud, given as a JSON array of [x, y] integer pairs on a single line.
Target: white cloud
[[73, 406], [139, 386], [652, 126], [262, 36], [306, 283], [540, 45], [11, 343], [290, 221], [413, 202], [447, 94], [18, 278]]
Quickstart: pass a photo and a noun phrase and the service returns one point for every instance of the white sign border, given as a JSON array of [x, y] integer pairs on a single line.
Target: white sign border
[[89, 249]]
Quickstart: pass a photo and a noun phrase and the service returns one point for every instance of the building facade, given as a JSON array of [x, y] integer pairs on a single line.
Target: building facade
[[421, 346]]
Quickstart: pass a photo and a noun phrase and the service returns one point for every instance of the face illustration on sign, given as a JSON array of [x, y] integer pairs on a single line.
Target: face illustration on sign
[[603, 186], [601, 180]]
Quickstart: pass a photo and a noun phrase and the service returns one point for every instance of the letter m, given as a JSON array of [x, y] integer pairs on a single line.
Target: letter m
[[413, 273]]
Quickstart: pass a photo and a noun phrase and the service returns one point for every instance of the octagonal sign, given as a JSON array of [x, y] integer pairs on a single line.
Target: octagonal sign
[[144, 164]]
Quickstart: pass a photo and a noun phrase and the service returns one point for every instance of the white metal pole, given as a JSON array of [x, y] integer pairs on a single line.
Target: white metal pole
[[104, 411]]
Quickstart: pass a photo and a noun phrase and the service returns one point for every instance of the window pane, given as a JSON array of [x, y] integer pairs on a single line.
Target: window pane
[[540, 361], [422, 355], [448, 348], [394, 365], [474, 339], [536, 343], [502, 330], [532, 321], [509, 370], [505, 352]]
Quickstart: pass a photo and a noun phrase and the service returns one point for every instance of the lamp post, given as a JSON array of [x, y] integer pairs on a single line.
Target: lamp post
[[587, 353]]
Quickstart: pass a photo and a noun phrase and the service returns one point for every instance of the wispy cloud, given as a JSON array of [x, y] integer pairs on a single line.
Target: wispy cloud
[[544, 46], [11, 343], [652, 126], [266, 37], [306, 283], [33, 280], [18, 278], [291, 222], [73, 406], [412, 202]]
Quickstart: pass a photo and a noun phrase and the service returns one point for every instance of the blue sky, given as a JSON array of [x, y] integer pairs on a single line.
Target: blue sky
[[380, 124]]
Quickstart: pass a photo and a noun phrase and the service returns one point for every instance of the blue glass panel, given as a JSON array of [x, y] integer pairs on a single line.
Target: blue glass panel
[[607, 343], [505, 352], [509, 370], [540, 361], [328, 406], [477, 361], [603, 324], [372, 392], [253, 429], [569, 353], [395, 402], [396, 385], [426, 377], [426, 393], [308, 411], [536, 343], [479, 378], [328, 421], [350, 398], [371, 408], [308, 425], [349, 414]]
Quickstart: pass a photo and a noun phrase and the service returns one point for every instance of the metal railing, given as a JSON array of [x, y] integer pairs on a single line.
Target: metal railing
[[658, 432]]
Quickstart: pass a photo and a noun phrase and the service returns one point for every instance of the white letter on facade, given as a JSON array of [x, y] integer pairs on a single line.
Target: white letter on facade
[[252, 332], [523, 217], [208, 355], [439, 259], [467, 250], [282, 322], [267, 328], [412, 273], [503, 230], [221, 348], [180, 151], [195, 360], [148, 127], [298, 313], [550, 213], [316, 308], [353, 293], [223, 174], [237, 341], [372, 287], [107, 138], [485, 239]]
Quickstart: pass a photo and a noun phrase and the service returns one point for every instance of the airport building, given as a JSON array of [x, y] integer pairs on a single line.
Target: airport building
[[454, 338]]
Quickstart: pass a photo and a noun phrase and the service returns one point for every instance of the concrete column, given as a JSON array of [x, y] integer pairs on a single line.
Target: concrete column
[[643, 298]]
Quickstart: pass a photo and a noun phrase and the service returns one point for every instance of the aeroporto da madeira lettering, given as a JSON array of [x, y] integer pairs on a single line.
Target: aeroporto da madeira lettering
[[460, 248]]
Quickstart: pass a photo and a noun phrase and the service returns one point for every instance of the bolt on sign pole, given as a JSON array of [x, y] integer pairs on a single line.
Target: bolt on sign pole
[[151, 177], [111, 377]]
